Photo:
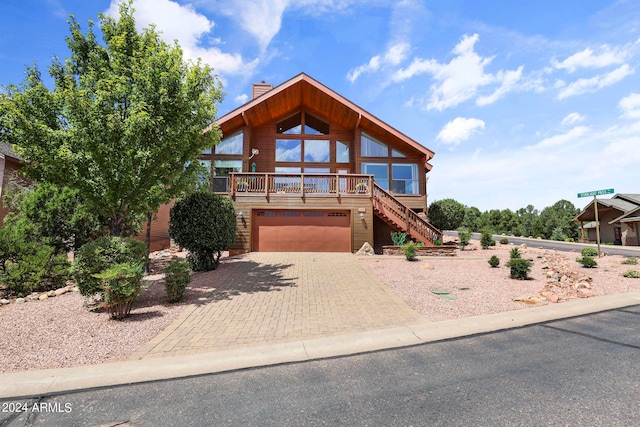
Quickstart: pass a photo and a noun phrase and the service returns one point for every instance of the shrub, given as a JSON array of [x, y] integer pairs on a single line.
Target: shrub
[[446, 214], [632, 274], [520, 268], [205, 224], [494, 261], [631, 261], [398, 238], [504, 241], [121, 285], [587, 261], [589, 252], [486, 239], [99, 255], [438, 242], [514, 253], [176, 279], [465, 236], [26, 266], [410, 250]]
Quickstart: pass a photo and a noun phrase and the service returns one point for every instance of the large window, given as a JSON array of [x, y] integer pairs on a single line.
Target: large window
[[288, 150], [291, 125], [380, 172], [316, 151], [342, 151], [371, 147], [404, 178], [230, 145]]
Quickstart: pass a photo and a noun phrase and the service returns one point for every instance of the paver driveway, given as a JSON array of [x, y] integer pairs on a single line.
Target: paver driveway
[[267, 297]]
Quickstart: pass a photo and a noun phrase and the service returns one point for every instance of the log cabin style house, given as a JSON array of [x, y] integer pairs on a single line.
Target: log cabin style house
[[308, 170]]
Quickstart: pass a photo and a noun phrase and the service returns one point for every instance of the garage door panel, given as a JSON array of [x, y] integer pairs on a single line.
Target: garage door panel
[[300, 231]]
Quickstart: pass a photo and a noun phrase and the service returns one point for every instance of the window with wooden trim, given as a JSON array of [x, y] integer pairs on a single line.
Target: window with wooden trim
[[230, 145]]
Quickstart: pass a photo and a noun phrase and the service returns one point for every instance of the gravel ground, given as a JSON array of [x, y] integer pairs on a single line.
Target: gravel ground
[[474, 288], [63, 332]]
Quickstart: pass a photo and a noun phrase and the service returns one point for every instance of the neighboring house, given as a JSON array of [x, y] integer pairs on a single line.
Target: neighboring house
[[308, 170], [619, 219], [10, 163]]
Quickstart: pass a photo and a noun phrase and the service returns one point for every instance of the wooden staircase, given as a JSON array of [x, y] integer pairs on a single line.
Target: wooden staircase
[[402, 218]]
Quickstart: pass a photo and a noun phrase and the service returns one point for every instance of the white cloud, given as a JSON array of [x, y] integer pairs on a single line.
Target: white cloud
[[509, 80], [630, 106], [572, 118], [459, 129], [183, 23], [593, 84], [588, 59], [393, 56], [562, 139], [241, 99], [461, 78]]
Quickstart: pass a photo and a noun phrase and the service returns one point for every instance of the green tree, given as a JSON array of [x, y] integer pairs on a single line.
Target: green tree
[[123, 125], [560, 215], [529, 221], [205, 224], [471, 218], [446, 214]]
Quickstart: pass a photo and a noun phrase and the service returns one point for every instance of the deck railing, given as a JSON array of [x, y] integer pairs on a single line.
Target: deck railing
[[251, 184]]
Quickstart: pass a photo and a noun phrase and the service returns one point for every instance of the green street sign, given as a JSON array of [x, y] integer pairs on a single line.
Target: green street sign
[[596, 193]]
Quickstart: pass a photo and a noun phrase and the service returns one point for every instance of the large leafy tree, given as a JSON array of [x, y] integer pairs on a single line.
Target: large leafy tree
[[123, 125], [560, 215], [446, 214]]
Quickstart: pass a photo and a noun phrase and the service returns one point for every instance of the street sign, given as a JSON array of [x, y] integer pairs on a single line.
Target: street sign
[[596, 193]]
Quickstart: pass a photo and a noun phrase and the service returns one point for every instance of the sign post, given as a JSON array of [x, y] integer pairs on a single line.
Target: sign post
[[595, 206]]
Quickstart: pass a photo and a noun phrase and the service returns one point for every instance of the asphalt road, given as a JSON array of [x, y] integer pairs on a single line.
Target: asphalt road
[[561, 246], [580, 371]]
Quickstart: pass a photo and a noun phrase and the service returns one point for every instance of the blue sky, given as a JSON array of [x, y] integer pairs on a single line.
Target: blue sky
[[523, 102]]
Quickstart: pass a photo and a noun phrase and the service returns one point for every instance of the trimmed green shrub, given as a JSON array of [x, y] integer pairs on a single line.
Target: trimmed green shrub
[[630, 261], [520, 268], [176, 279], [494, 261], [205, 224], [121, 285], [587, 261], [99, 255], [504, 241], [410, 249], [632, 274], [486, 239], [589, 252], [398, 238]]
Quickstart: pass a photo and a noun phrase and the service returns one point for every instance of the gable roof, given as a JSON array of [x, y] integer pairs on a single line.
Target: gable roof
[[628, 204], [303, 92]]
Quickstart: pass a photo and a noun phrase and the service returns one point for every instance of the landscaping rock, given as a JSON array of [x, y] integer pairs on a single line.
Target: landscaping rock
[[366, 249], [4, 301], [20, 300], [43, 297]]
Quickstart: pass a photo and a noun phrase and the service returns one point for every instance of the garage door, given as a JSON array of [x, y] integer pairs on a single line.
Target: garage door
[[301, 231]]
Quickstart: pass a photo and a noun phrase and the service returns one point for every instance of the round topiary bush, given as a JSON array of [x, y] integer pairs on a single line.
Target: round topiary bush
[[504, 241], [205, 224]]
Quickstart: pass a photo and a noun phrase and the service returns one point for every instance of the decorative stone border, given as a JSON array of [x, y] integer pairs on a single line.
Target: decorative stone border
[[445, 250], [40, 296]]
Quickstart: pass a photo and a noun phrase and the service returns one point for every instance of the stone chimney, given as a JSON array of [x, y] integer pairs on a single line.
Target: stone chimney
[[260, 88]]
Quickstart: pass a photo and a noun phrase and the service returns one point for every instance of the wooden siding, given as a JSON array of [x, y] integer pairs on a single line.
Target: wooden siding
[[159, 229]]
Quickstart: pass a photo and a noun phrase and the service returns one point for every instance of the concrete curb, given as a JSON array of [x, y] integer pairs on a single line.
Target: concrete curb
[[50, 381]]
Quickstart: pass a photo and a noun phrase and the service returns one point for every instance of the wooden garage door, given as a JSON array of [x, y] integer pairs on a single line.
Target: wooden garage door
[[301, 231]]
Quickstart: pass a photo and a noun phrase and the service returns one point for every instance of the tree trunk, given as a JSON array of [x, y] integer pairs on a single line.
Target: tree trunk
[[149, 217]]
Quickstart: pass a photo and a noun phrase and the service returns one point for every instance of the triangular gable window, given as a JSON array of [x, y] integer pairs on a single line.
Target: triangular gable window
[[315, 126], [291, 125]]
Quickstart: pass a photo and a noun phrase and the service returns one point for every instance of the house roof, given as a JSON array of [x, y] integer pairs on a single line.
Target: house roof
[[7, 151], [627, 204], [303, 92]]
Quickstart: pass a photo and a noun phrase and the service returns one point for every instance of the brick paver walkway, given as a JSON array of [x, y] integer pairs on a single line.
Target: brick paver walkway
[[266, 297]]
